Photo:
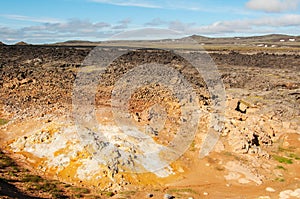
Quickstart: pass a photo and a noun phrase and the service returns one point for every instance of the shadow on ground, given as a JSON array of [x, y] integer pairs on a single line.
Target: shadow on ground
[[11, 191]]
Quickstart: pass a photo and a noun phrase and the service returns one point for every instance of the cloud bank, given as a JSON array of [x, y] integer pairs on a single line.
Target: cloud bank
[[95, 31], [273, 5], [133, 3]]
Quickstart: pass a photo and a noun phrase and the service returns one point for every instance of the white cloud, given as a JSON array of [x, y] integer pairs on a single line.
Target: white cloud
[[180, 26], [123, 24], [258, 25], [273, 5], [281, 21], [31, 19], [134, 3], [86, 30], [147, 33], [49, 32], [156, 22], [287, 22], [71, 26], [166, 4]]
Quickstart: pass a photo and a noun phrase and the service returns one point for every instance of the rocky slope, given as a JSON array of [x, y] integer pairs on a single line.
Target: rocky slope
[[258, 147]]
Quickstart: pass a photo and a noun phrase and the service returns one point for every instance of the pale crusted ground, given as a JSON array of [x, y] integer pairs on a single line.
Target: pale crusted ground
[[257, 155]]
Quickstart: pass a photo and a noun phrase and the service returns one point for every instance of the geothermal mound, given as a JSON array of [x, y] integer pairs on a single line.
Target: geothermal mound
[[258, 145]]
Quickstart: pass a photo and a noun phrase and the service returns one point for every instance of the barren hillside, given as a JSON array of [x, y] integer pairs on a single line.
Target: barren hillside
[[256, 156]]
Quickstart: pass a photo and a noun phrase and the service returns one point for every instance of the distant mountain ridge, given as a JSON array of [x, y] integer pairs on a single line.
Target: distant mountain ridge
[[203, 39], [22, 43], [76, 42], [275, 39], [261, 38]]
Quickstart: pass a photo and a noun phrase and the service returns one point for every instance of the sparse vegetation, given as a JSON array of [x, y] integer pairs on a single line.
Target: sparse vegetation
[[92, 197], [56, 89], [230, 154], [46, 187], [227, 153], [6, 161], [281, 167], [280, 179], [281, 149], [15, 168], [286, 156], [183, 191], [220, 168], [81, 190], [78, 195], [192, 146], [32, 178], [58, 196], [11, 173], [108, 193], [3, 121], [67, 185], [128, 192], [294, 156], [282, 159]]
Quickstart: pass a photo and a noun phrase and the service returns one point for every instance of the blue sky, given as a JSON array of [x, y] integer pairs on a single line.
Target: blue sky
[[48, 21]]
